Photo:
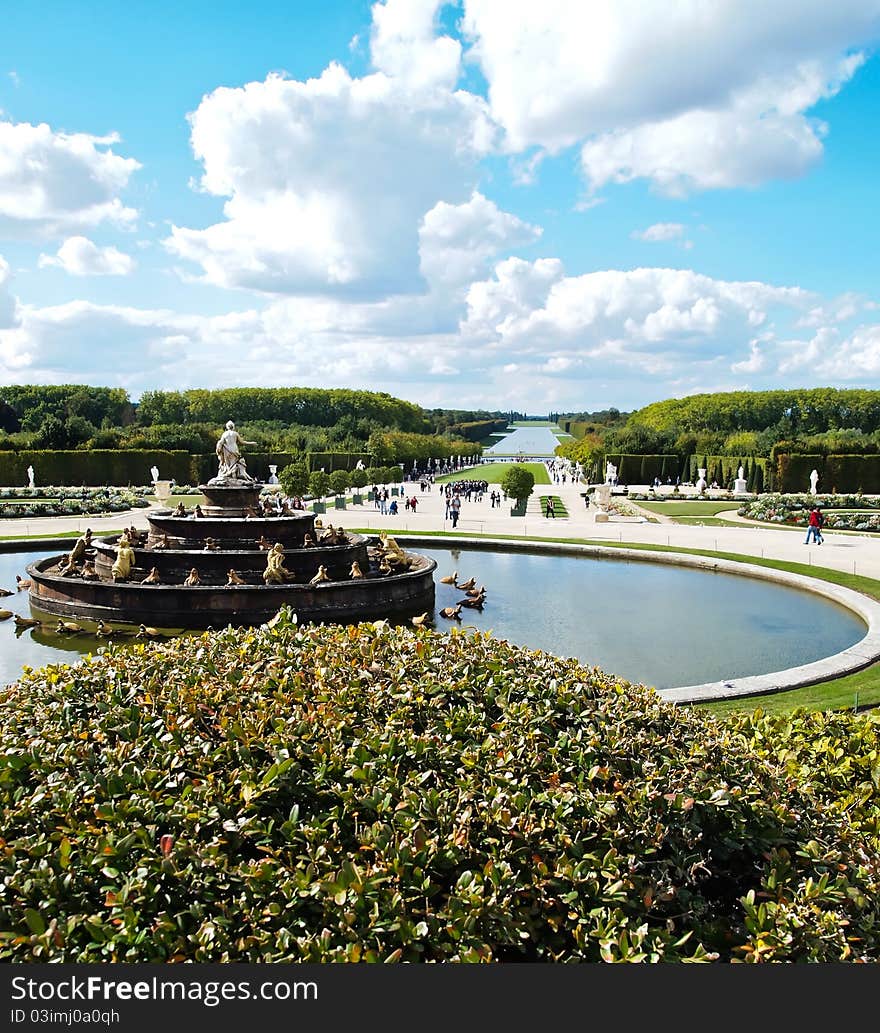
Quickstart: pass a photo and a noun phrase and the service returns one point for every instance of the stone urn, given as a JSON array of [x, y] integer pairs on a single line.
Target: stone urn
[[162, 490]]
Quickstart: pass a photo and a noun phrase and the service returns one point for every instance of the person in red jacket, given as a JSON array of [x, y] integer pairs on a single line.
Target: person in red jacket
[[814, 523]]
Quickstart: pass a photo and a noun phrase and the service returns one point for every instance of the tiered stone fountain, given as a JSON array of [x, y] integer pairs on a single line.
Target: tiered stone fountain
[[225, 537]]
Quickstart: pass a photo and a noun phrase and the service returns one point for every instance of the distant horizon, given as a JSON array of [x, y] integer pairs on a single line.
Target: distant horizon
[[464, 204]]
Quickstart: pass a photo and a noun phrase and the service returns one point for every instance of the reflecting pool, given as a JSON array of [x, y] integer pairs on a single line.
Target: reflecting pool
[[659, 624]]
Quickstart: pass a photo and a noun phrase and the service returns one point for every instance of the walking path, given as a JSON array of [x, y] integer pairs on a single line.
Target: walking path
[[854, 553]]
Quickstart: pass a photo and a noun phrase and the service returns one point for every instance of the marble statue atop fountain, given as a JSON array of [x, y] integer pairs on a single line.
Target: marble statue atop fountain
[[814, 480], [233, 470], [740, 487]]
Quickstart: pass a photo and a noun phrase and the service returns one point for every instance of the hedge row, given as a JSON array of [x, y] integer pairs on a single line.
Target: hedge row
[[132, 466], [476, 430], [363, 794], [94, 467], [636, 469], [758, 472], [577, 428], [837, 473]]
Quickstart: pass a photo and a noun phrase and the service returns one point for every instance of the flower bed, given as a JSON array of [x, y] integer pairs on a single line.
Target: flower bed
[[69, 501], [794, 510]]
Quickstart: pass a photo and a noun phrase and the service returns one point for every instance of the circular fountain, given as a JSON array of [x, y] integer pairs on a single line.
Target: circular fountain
[[247, 564]]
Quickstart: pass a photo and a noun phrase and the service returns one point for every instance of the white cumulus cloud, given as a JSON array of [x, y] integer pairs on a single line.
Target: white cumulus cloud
[[54, 182], [328, 181], [403, 44], [688, 95], [80, 256]]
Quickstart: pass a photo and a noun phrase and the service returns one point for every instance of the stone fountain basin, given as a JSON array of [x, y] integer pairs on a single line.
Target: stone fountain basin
[[234, 532], [203, 606], [212, 565]]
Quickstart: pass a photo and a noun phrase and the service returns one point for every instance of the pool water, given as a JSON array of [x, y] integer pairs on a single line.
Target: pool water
[[658, 624]]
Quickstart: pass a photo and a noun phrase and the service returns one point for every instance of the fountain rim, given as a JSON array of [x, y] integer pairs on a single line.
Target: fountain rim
[[854, 658]]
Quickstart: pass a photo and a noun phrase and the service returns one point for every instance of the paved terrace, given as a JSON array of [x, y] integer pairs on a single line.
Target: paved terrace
[[850, 552]]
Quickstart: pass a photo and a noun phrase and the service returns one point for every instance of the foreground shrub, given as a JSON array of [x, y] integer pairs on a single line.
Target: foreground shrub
[[375, 794]]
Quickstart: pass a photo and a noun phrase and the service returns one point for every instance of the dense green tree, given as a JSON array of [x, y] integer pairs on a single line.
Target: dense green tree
[[339, 481], [319, 484], [294, 479], [518, 482]]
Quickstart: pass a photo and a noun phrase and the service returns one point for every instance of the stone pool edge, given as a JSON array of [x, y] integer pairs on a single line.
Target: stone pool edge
[[855, 658]]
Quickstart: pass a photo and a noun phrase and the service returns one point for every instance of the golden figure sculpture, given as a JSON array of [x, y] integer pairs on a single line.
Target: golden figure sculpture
[[355, 571], [276, 573], [322, 575], [124, 559], [193, 578]]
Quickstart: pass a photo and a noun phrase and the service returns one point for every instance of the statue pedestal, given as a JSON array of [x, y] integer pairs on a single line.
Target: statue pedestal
[[230, 499], [740, 487]]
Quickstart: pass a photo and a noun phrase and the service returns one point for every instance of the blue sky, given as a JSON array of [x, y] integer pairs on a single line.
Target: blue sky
[[483, 203]]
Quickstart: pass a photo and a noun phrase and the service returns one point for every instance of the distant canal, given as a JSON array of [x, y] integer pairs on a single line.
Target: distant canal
[[662, 625], [530, 441]]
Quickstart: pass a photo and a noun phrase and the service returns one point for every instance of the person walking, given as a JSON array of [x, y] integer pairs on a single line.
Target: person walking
[[551, 509], [455, 509], [813, 525]]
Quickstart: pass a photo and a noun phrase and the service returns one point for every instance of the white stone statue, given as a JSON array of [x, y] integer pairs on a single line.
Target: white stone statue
[[814, 480], [360, 465], [273, 473], [30, 473], [154, 470], [610, 473], [232, 466], [740, 487], [701, 479]]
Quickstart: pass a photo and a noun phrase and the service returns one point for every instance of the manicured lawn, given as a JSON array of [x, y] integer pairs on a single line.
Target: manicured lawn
[[688, 508], [862, 688], [494, 473], [704, 521]]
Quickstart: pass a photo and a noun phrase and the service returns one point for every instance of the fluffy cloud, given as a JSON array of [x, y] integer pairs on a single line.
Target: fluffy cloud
[[403, 44], [687, 95], [456, 242], [654, 322], [80, 256], [328, 181], [54, 182], [761, 134]]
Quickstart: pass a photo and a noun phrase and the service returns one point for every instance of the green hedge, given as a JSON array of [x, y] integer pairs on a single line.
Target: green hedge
[[723, 469], [363, 794], [94, 466], [476, 430], [338, 460], [837, 473], [577, 428], [636, 469]]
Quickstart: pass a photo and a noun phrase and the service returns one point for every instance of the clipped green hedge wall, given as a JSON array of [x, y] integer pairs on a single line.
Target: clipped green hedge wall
[[577, 428], [329, 793], [636, 469], [723, 469], [93, 467], [837, 473], [476, 430], [338, 460]]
